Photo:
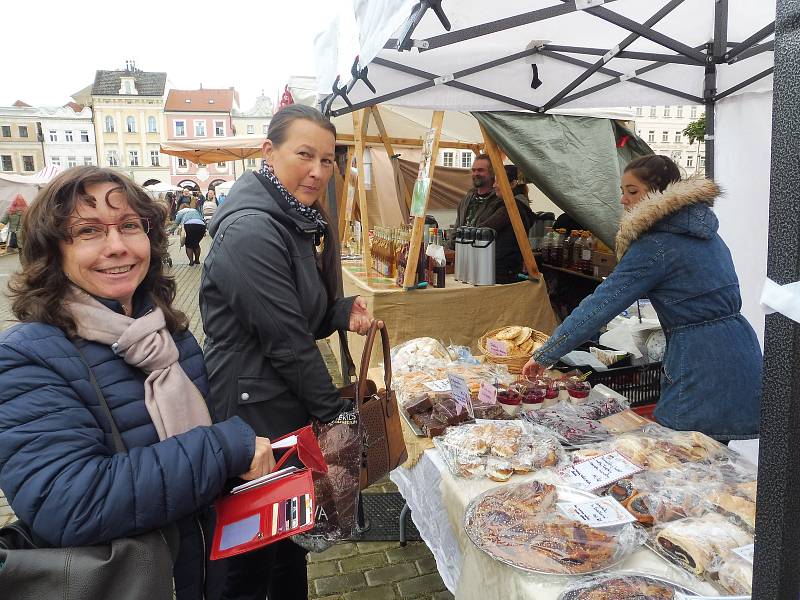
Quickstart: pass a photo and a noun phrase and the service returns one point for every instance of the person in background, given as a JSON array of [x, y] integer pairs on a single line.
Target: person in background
[[185, 199], [195, 228], [671, 253], [13, 220], [266, 296], [209, 206], [93, 299], [221, 199]]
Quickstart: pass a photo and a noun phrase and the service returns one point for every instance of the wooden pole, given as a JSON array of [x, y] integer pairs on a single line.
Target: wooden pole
[[347, 139], [358, 123], [387, 143], [511, 204], [343, 217], [419, 222]]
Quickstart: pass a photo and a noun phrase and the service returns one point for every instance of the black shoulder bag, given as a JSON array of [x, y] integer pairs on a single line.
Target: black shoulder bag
[[133, 568]]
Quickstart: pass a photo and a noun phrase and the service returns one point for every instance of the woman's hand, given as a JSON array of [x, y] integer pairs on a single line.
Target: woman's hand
[[263, 460], [360, 319], [533, 369]]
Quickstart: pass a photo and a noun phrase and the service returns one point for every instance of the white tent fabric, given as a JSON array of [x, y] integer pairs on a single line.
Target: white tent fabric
[[159, 188], [26, 185]]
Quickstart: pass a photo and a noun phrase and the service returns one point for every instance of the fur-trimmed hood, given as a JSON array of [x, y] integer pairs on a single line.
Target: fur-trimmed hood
[[684, 207]]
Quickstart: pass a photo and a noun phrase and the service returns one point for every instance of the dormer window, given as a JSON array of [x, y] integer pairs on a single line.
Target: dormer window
[[211, 101], [127, 86], [188, 101]]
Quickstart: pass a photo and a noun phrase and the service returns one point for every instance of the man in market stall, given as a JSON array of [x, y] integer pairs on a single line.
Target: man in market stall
[[482, 207]]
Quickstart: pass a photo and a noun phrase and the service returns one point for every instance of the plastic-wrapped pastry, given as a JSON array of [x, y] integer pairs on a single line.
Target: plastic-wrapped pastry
[[499, 470], [741, 508], [620, 586], [735, 574]]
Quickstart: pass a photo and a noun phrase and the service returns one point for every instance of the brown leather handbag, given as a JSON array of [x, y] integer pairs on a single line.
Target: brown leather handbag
[[383, 446]]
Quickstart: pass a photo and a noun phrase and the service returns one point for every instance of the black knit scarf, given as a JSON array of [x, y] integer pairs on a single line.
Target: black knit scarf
[[312, 215]]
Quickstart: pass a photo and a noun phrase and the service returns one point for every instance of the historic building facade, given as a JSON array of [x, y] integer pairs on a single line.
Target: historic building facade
[[21, 149]]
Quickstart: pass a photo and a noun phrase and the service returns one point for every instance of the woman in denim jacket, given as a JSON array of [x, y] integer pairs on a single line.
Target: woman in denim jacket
[[670, 252]]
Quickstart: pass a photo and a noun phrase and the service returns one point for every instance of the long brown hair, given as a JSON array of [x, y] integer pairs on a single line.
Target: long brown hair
[[38, 291], [278, 130]]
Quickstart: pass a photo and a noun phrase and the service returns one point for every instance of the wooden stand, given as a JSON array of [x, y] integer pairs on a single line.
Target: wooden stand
[[360, 124]]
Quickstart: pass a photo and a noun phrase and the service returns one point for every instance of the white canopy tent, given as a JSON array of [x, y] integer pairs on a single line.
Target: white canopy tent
[[27, 186], [161, 188]]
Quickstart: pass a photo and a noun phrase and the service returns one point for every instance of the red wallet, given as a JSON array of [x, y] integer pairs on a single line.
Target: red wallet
[[274, 506]]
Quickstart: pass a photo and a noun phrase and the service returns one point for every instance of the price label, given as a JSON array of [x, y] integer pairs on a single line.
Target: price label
[[602, 512], [440, 385], [599, 471], [746, 552], [459, 390], [497, 347], [487, 394]]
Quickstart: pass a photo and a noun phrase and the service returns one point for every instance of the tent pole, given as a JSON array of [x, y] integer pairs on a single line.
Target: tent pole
[[344, 217], [415, 244], [511, 204], [777, 552], [405, 200], [358, 121], [715, 54]]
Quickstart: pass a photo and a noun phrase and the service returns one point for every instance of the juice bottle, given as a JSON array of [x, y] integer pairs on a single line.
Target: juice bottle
[[586, 254]]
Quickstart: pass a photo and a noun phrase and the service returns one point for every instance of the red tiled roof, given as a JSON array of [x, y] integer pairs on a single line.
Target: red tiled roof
[[20, 103], [203, 100], [75, 106]]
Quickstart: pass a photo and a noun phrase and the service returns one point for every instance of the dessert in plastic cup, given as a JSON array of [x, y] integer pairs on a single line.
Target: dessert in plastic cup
[[578, 390], [510, 401]]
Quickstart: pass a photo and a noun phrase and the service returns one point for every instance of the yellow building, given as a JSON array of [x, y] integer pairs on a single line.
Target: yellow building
[[128, 114], [21, 150]]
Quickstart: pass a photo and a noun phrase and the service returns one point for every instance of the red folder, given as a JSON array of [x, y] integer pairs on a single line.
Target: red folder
[[272, 508]]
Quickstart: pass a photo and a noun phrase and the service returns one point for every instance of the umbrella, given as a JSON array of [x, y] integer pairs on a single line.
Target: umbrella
[[221, 149]]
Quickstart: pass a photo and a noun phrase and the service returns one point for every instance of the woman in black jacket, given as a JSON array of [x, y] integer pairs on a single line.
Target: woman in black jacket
[[266, 296]]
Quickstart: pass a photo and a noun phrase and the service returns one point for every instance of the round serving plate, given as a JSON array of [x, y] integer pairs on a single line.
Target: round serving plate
[[564, 494], [568, 594]]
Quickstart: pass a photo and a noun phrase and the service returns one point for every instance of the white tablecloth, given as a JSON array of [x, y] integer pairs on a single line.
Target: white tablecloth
[[468, 572]]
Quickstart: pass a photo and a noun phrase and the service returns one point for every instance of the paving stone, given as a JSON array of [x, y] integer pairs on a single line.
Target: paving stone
[[445, 595], [426, 565], [390, 574], [365, 547], [338, 551], [317, 570], [362, 562], [412, 551], [425, 584], [339, 583], [384, 592]]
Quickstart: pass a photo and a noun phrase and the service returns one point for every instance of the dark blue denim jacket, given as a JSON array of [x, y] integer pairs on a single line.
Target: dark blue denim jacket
[[672, 254]]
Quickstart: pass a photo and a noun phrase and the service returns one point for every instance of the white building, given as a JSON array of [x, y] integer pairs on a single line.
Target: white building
[[662, 128], [68, 135], [254, 122]]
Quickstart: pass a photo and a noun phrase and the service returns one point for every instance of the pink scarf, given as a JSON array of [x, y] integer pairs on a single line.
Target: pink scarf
[[174, 403]]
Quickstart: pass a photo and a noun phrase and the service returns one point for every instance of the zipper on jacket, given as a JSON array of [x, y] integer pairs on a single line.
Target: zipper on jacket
[[203, 541]]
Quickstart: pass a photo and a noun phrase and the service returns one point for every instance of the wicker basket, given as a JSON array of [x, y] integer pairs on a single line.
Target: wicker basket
[[514, 363]]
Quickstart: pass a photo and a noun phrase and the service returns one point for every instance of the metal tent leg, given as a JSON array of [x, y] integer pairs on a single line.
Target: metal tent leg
[[403, 514]]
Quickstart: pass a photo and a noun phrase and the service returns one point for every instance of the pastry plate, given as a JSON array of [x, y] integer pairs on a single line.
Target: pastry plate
[[564, 494], [565, 595], [410, 422]]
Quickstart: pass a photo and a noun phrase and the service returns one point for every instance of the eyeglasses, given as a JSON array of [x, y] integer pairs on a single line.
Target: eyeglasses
[[99, 231]]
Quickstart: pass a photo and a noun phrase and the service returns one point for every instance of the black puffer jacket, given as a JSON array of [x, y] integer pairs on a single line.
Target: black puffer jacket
[[264, 305]]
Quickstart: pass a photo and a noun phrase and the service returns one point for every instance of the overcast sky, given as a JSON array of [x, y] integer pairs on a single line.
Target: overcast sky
[[52, 49]]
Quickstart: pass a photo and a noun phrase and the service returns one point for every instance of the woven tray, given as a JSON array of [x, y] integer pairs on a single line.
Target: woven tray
[[514, 363]]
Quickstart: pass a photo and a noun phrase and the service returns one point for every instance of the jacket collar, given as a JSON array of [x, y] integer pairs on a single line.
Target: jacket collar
[[658, 205]]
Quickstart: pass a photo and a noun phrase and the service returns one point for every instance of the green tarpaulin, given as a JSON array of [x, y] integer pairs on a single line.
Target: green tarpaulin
[[575, 161]]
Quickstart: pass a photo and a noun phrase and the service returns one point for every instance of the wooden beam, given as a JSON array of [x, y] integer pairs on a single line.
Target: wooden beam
[[343, 217], [347, 139], [419, 222], [387, 144], [511, 204], [358, 121]]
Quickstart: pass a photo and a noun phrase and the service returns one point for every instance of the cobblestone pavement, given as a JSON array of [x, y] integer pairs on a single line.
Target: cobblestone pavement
[[348, 571]]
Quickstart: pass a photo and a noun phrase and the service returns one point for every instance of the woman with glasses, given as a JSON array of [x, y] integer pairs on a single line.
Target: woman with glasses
[[96, 307]]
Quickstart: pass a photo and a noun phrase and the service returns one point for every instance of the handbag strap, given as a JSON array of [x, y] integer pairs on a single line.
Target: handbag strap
[[367, 355], [348, 358], [119, 445]]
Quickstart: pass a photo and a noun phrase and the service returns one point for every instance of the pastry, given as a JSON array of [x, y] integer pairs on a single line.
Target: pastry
[[736, 574], [741, 508], [508, 333], [419, 404], [499, 471], [471, 467], [523, 336], [695, 542], [527, 346], [620, 587], [748, 490]]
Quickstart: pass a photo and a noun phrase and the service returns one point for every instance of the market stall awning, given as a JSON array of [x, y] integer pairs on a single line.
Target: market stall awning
[[221, 149]]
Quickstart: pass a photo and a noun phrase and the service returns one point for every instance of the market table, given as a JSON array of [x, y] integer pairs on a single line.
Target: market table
[[437, 501], [458, 313]]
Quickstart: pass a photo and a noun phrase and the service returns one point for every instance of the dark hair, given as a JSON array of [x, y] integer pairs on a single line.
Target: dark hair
[[38, 290], [655, 171], [488, 160], [513, 175], [278, 130]]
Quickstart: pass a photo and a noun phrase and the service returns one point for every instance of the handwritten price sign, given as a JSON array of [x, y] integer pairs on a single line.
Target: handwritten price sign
[[598, 472]]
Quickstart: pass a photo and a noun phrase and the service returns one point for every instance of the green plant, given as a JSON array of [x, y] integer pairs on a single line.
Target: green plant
[[696, 130]]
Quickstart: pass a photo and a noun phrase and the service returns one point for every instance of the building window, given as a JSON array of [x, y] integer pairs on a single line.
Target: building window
[[111, 158], [151, 125], [222, 166], [199, 129], [84, 136], [665, 136], [182, 163], [219, 128], [638, 111], [651, 136], [133, 158], [7, 164], [653, 111], [87, 161], [130, 124], [678, 137], [154, 158], [679, 112], [251, 129], [693, 112], [466, 160], [6, 129], [448, 159], [702, 162], [67, 136], [180, 128], [689, 160], [53, 135], [667, 110], [251, 162], [264, 128], [56, 161], [27, 163], [23, 131], [109, 125], [72, 161]]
